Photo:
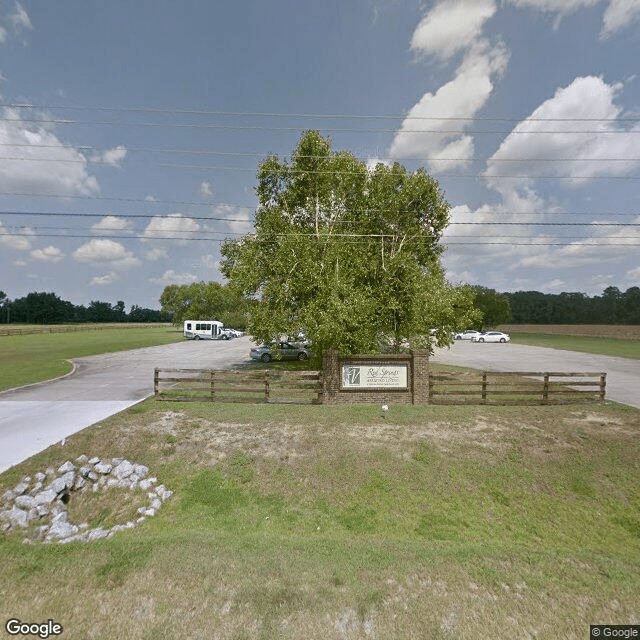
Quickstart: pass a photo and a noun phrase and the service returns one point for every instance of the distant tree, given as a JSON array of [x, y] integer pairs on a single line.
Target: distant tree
[[100, 312], [630, 306], [139, 314], [494, 307], [41, 308]]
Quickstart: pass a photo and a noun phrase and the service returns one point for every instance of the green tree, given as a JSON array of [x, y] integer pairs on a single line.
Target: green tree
[[205, 300], [494, 307], [346, 254]]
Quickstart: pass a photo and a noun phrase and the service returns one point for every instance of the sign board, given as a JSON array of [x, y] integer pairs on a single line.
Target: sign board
[[374, 376]]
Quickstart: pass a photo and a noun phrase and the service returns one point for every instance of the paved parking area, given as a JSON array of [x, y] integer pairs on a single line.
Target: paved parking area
[[35, 417], [623, 374]]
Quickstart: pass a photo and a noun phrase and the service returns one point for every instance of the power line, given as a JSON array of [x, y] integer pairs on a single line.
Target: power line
[[205, 112]]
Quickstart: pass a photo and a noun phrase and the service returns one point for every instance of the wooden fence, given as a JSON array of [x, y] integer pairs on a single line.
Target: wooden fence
[[517, 387], [305, 387], [258, 386]]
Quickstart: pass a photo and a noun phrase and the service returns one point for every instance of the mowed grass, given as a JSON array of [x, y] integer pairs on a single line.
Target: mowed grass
[[321, 522], [32, 358], [603, 346]]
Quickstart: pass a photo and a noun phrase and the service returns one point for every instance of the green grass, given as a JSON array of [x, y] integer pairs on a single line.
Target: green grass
[[586, 344], [33, 358], [338, 522]]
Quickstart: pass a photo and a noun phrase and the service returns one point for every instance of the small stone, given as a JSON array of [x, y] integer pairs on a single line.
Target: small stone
[[97, 534], [15, 517], [8, 496], [61, 529], [92, 475], [79, 483], [103, 467], [123, 470], [156, 504], [21, 488], [42, 510], [69, 478], [150, 512], [85, 471], [66, 467], [58, 485], [45, 497], [40, 477], [81, 459], [37, 487], [116, 461], [94, 460], [25, 502], [141, 470]]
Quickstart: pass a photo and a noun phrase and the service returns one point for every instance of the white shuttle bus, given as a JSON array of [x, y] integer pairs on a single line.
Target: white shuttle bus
[[202, 329]]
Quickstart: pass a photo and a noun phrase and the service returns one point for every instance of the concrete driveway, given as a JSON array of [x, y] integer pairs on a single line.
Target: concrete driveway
[[35, 417], [623, 374]]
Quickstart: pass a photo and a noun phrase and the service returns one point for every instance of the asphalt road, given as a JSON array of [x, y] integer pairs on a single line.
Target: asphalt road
[[623, 374], [35, 417]]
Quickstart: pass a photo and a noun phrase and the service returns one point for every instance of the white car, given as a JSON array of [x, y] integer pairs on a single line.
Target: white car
[[492, 336], [466, 335]]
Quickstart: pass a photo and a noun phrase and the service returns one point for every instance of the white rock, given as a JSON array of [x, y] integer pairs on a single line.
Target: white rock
[[103, 467], [40, 477], [8, 496], [94, 460], [61, 529], [156, 504], [15, 517], [25, 502], [66, 467], [21, 488], [123, 470], [45, 497], [97, 534], [58, 485], [140, 470], [81, 459]]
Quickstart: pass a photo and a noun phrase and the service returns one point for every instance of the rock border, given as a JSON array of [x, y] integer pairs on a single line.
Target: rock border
[[44, 498]]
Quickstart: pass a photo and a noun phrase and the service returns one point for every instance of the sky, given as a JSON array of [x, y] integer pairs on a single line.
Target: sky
[[131, 132]]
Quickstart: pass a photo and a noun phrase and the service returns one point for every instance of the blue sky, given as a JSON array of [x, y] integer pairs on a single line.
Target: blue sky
[[130, 132]]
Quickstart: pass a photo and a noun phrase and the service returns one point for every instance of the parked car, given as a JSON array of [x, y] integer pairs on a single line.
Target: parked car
[[466, 335], [492, 336], [287, 351]]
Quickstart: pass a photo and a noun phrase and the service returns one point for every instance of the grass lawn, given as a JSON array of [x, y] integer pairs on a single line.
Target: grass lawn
[[587, 344], [33, 358], [316, 522]]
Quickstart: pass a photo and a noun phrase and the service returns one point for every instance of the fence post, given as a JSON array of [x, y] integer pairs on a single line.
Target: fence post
[[484, 387], [545, 389], [603, 383], [431, 385], [266, 385], [212, 383], [155, 382]]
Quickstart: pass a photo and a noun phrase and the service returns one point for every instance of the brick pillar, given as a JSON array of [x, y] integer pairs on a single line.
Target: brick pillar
[[330, 376], [420, 376]]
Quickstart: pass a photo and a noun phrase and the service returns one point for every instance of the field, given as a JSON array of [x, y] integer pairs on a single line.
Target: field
[[32, 358], [620, 331], [323, 522]]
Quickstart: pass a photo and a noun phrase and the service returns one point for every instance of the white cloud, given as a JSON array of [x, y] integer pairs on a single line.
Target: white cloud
[[3, 35], [112, 157], [237, 219], [106, 279], [36, 161], [568, 136], [634, 273], [19, 242], [112, 223], [175, 227], [101, 251], [619, 14], [171, 277], [205, 190], [19, 18], [425, 135], [48, 254], [157, 253], [210, 261], [451, 26]]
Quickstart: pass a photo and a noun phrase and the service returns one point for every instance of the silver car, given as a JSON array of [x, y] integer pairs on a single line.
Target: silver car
[[287, 351]]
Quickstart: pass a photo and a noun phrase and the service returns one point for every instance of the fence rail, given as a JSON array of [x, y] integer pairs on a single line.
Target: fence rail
[[223, 385], [517, 387]]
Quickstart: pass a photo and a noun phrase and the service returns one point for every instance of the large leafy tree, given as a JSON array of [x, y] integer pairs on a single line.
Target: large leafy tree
[[347, 254]]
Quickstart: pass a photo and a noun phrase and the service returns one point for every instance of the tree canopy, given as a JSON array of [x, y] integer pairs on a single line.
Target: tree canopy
[[346, 254]]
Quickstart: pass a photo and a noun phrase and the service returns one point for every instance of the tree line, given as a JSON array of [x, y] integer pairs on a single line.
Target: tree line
[[48, 308]]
